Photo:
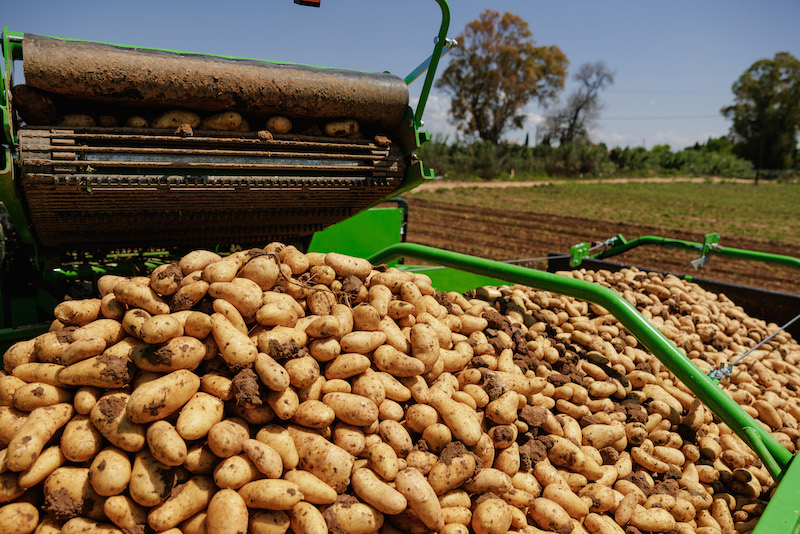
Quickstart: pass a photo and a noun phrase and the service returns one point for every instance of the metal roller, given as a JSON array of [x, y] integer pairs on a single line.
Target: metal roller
[[158, 78]]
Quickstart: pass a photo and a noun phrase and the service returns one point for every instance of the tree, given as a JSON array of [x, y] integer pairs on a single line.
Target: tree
[[495, 71], [766, 112], [572, 122]]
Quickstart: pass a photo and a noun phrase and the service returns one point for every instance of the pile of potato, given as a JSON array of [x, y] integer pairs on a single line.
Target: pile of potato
[[271, 390], [37, 107]]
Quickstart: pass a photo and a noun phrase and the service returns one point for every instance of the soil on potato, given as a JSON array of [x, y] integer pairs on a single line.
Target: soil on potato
[[510, 234]]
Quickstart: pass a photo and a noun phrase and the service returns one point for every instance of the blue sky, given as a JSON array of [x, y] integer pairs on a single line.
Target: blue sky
[[674, 61]]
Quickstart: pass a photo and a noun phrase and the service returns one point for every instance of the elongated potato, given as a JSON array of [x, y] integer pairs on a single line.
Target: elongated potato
[[377, 493], [198, 415], [421, 497], [271, 494], [183, 502], [162, 396], [48, 461], [323, 459], [166, 444], [34, 433]]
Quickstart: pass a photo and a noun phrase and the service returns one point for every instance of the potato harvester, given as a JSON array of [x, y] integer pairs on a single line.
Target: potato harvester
[[83, 201]]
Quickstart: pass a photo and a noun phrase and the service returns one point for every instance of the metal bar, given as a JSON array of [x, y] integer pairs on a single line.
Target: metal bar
[[719, 250], [775, 456], [207, 165], [422, 67], [135, 151], [441, 40], [139, 135]]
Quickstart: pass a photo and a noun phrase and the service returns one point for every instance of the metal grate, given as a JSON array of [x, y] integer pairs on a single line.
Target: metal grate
[[95, 188]]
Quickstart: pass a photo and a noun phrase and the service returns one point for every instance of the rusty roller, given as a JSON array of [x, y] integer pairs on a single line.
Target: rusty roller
[[146, 77]]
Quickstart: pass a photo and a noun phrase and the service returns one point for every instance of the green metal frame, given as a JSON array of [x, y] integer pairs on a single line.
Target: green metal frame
[[775, 456], [710, 245]]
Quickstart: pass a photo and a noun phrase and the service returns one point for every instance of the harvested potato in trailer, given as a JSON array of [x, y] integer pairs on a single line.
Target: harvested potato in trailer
[[294, 410]]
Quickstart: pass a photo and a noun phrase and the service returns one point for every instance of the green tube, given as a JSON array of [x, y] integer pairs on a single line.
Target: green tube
[[775, 456], [437, 54], [717, 250]]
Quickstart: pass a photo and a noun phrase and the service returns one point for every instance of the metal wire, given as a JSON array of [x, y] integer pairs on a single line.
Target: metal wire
[[740, 358], [719, 374]]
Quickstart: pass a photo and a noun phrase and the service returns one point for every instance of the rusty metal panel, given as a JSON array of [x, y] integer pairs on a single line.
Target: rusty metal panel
[[158, 78]]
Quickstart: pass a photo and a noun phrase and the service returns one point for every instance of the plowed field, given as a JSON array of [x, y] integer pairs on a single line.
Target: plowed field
[[504, 234]]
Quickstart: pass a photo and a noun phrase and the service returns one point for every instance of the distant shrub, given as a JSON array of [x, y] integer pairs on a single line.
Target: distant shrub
[[489, 161]]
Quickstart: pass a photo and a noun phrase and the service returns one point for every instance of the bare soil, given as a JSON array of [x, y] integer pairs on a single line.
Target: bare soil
[[509, 234]]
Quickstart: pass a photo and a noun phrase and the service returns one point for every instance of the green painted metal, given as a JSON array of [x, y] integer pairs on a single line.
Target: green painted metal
[[783, 512], [775, 456], [578, 253], [361, 235], [441, 41], [620, 245], [445, 279]]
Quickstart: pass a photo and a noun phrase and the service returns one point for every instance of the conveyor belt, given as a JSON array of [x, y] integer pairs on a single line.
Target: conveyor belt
[[95, 188]]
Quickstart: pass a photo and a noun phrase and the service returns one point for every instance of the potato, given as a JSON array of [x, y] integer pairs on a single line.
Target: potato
[[68, 494], [352, 516], [183, 502], [227, 513], [137, 296], [34, 433], [48, 461], [179, 352], [77, 312], [352, 409], [162, 396], [306, 518], [314, 490], [421, 498], [227, 121], [235, 471], [124, 512], [341, 128], [323, 459], [81, 440], [279, 125], [19, 518], [102, 371], [377, 493], [77, 120], [175, 118], [271, 494], [236, 348], [166, 444], [110, 417], [227, 437], [110, 472], [80, 525]]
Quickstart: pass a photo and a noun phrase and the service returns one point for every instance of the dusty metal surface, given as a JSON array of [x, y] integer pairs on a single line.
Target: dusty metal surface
[[143, 77], [93, 188]]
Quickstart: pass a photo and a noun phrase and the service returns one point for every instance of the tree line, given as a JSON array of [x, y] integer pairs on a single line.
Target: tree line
[[498, 69], [487, 160]]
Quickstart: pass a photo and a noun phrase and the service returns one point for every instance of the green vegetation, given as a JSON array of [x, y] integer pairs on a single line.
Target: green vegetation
[[486, 160], [734, 209], [766, 113]]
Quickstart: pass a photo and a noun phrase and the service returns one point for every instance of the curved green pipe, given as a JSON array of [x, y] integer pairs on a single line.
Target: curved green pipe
[[774, 455]]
